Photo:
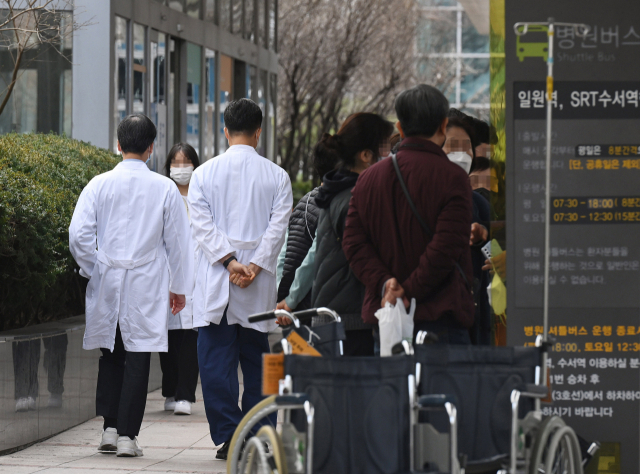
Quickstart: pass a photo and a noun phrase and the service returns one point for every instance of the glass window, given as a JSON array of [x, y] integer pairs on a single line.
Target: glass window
[[176, 5], [262, 26], [209, 105], [120, 76], [273, 105], [440, 72], [236, 16], [262, 102], [273, 25], [194, 80], [438, 3], [139, 68], [224, 18], [157, 101], [251, 82], [438, 35], [474, 87], [472, 41], [249, 20], [226, 93], [171, 93], [21, 112], [41, 98], [210, 10], [193, 8]]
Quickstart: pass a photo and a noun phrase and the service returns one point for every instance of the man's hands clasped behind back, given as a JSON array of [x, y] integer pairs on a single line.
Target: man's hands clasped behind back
[[242, 275], [176, 303]]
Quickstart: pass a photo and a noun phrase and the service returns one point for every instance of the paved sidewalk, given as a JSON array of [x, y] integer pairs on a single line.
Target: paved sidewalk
[[174, 444]]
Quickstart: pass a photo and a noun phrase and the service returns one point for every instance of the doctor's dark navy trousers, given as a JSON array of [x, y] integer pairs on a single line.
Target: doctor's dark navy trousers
[[220, 348]]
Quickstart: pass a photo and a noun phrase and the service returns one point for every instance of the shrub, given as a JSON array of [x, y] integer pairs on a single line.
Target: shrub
[[41, 177], [300, 188]]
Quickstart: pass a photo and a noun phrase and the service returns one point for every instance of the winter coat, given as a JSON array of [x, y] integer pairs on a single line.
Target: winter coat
[[335, 286], [302, 231], [383, 238]]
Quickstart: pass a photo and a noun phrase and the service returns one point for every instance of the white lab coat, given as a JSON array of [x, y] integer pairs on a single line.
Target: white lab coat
[[239, 203], [184, 319], [137, 221]]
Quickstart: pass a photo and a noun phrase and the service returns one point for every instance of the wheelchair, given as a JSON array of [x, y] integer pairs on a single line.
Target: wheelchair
[[430, 408]]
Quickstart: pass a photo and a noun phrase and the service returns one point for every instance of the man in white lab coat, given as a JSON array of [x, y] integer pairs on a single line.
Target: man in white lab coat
[[127, 236], [240, 205]]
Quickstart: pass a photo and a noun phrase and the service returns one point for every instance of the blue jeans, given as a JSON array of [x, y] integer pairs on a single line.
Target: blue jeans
[[220, 348]]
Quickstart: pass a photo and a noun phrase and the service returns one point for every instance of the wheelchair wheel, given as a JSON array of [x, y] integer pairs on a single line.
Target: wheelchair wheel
[[270, 436], [255, 459], [257, 413], [556, 449]]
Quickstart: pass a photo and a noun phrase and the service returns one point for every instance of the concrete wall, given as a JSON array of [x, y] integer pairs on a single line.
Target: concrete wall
[[42, 359]]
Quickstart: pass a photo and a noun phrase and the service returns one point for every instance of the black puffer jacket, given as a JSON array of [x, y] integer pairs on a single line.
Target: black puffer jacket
[[335, 286], [302, 231]]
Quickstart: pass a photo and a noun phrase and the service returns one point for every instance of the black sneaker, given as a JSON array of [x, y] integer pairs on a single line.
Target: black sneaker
[[223, 451]]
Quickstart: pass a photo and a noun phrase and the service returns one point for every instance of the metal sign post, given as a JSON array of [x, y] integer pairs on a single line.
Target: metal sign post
[[521, 29]]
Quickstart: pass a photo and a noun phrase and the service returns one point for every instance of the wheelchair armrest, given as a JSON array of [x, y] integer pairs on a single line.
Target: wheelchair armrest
[[532, 390], [436, 401], [292, 399]]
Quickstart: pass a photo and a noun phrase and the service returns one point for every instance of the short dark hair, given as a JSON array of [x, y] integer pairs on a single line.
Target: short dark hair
[[242, 116], [465, 122], [421, 110], [187, 150], [136, 133], [482, 131], [359, 132], [480, 163]]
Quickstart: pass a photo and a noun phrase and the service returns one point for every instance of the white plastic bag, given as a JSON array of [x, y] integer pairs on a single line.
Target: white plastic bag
[[395, 325]]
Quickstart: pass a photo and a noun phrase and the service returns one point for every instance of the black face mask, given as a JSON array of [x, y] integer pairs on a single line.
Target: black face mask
[[485, 193]]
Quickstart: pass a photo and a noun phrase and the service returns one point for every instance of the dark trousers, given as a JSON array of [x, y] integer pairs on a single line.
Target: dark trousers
[[448, 333], [26, 359], [359, 343], [123, 380], [180, 365], [220, 348]]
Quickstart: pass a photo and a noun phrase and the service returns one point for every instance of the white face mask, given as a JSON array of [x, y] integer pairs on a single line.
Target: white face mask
[[461, 159], [182, 176]]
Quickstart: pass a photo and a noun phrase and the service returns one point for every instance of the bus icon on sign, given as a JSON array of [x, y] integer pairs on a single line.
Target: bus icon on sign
[[534, 44]]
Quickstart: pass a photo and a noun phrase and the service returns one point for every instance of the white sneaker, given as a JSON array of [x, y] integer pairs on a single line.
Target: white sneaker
[[128, 447], [109, 441], [32, 403], [183, 407], [169, 404], [55, 400], [22, 404]]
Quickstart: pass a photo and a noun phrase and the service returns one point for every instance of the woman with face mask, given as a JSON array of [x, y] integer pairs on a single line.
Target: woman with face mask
[[361, 141], [180, 364], [459, 149]]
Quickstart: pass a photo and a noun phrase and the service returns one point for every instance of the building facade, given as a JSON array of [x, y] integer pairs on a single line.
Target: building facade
[[178, 61]]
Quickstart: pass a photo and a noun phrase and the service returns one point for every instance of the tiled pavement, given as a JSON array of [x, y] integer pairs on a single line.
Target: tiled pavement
[[173, 444]]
